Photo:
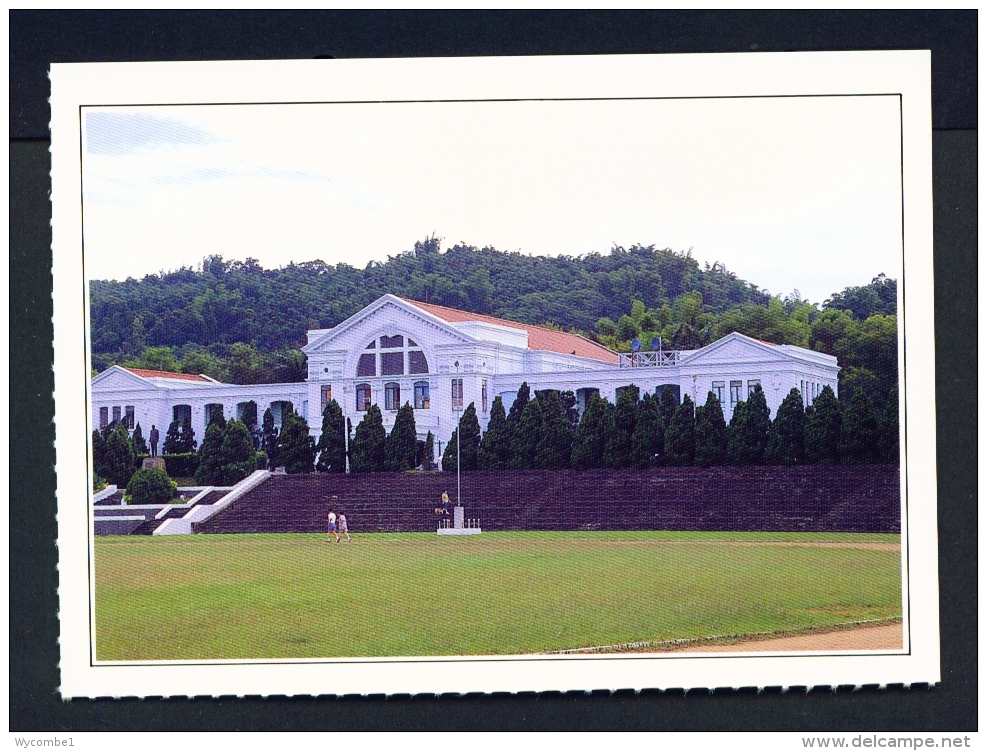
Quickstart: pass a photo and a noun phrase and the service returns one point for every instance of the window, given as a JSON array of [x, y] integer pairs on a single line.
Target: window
[[363, 397], [213, 412], [483, 394], [412, 343], [372, 345], [457, 393], [116, 415], [416, 361], [181, 412], [326, 391], [367, 366], [104, 417], [392, 396], [392, 363], [735, 390], [718, 390], [128, 416], [752, 384], [421, 395], [391, 342]]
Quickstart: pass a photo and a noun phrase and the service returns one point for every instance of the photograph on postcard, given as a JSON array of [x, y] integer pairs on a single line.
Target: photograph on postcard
[[480, 378]]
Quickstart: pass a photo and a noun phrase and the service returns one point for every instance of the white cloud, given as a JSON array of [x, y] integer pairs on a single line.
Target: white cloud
[[788, 193]]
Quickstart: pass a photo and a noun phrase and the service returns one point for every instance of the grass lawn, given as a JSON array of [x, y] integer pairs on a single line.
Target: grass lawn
[[294, 595]]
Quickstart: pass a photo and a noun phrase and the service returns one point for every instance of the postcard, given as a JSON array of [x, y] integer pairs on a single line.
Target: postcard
[[494, 374]]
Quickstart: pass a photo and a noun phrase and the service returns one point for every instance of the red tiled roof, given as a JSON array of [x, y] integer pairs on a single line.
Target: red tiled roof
[[539, 337], [166, 374]]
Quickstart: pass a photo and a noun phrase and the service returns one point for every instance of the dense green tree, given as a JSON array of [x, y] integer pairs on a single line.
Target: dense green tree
[[527, 434], [402, 443], [450, 455], [173, 438], [187, 443], [427, 459], [150, 486], [860, 433], [786, 439], [495, 446], [890, 453], [296, 447], [823, 424], [209, 470], [99, 454], [236, 454], [140, 445], [554, 446], [880, 297], [517, 408], [680, 436], [590, 440], [269, 439], [617, 453], [669, 403], [470, 449], [748, 433], [648, 438], [155, 358], [249, 419], [120, 457], [711, 433], [332, 441], [367, 449]]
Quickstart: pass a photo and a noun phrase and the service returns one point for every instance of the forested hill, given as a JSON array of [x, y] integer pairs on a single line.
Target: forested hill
[[240, 322]]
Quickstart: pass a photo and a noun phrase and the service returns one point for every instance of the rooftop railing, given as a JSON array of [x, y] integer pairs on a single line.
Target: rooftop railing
[[648, 359]]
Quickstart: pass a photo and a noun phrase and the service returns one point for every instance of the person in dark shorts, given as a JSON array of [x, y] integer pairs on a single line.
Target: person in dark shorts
[[332, 526]]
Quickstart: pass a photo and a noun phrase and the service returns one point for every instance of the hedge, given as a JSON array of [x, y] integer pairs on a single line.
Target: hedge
[[150, 486], [181, 465]]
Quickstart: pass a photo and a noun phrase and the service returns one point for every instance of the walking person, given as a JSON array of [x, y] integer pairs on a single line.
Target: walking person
[[332, 526], [343, 529], [152, 437]]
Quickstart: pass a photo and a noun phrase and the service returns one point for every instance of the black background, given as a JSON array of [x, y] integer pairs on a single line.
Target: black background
[[38, 38]]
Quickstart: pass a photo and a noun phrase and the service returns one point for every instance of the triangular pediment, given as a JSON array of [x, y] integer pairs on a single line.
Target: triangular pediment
[[387, 314], [116, 377], [734, 348]]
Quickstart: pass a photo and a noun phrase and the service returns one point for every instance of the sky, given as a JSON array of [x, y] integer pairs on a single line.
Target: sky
[[788, 193]]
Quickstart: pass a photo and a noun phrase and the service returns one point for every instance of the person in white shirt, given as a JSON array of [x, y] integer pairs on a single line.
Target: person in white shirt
[[343, 529], [332, 527]]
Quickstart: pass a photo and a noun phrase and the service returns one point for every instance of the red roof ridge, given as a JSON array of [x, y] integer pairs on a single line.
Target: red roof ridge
[[547, 339], [147, 373]]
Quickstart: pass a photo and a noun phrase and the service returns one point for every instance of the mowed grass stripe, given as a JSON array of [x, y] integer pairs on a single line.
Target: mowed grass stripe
[[290, 596]]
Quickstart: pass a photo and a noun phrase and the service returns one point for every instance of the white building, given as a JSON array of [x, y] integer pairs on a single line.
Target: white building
[[440, 359]]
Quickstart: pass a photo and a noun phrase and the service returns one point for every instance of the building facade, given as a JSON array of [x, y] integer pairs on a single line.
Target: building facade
[[440, 360]]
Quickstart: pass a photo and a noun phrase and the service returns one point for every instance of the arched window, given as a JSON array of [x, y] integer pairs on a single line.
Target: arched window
[[395, 356], [392, 396], [363, 397], [421, 395]]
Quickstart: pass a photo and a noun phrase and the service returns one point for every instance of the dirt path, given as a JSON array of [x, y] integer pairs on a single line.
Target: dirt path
[[865, 638]]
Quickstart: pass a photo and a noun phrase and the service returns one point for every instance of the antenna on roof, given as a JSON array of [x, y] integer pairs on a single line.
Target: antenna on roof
[[635, 344]]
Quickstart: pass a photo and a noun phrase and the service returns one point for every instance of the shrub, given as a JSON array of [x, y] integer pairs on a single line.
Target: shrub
[[260, 460], [150, 486], [181, 465], [98, 483]]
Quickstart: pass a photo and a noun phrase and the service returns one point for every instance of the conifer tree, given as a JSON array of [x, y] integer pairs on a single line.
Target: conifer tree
[[187, 443], [617, 453], [99, 454], [236, 454], [173, 439], [680, 436], [748, 434], [250, 422], [296, 447], [269, 439], [449, 456], [402, 443], [890, 453], [367, 447], [668, 404], [120, 457], [140, 445], [711, 433], [860, 433], [648, 438], [495, 446], [590, 440], [332, 441], [517, 408], [823, 424], [525, 437], [470, 450], [428, 453], [554, 448], [208, 470], [786, 439]]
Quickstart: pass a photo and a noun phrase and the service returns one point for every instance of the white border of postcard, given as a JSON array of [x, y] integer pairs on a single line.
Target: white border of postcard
[[774, 74]]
